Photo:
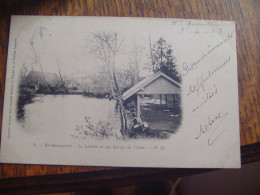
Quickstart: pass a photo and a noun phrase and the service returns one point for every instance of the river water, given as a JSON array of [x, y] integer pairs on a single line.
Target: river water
[[63, 115]]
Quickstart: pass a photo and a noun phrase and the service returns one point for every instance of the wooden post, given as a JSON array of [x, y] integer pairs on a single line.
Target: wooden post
[[166, 101], [138, 110], [174, 103], [160, 100]]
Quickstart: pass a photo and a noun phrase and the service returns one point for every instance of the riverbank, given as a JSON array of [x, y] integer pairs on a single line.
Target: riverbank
[[25, 97], [95, 116]]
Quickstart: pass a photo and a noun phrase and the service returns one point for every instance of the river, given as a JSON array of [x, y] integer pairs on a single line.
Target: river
[[65, 115]]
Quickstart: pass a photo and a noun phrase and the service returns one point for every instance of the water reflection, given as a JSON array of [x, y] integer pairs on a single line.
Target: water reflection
[[63, 113], [79, 117]]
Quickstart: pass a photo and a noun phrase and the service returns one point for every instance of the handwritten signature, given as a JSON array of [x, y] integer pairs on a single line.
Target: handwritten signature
[[211, 125]]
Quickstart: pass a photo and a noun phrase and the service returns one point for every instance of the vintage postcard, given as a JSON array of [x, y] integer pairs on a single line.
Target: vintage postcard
[[109, 91]]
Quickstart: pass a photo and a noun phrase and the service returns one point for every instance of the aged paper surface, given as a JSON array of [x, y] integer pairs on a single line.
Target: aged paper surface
[[105, 91]]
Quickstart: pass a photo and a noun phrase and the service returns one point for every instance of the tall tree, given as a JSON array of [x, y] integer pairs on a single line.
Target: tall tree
[[134, 62], [162, 59], [62, 81], [106, 47], [36, 54]]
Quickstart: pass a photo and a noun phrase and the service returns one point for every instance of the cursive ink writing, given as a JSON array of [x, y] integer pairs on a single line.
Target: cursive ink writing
[[197, 27], [196, 23], [199, 86], [189, 67], [212, 124], [216, 69], [207, 97]]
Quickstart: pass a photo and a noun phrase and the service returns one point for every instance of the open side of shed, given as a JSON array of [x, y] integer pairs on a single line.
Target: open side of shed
[[157, 84]]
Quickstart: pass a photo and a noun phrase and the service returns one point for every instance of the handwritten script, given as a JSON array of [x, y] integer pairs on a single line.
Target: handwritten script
[[187, 68], [212, 125]]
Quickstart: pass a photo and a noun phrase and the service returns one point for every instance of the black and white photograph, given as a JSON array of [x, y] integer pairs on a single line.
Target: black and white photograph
[[127, 85], [111, 91]]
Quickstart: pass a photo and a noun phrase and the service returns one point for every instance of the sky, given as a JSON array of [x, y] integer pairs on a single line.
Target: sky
[[65, 41]]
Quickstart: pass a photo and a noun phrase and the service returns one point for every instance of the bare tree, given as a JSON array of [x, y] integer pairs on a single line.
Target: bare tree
[[134, 63], [23, 75], [36, 56], [37, 59], [106, 47], [151, 53], [61, 80]]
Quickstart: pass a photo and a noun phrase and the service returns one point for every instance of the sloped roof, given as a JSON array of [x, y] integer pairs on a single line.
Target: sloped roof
[[143, 83], [39, 77]]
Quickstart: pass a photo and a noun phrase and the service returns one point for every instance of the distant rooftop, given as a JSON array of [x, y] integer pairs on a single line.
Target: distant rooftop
[[42, 77]]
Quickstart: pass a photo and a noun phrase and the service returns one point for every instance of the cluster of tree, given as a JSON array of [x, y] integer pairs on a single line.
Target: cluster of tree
[[107, 46], [162, 59], [112, 80]]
